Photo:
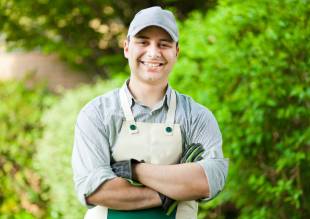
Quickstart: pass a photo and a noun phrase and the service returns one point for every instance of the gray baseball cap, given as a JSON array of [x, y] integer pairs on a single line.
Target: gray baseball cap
[[154, 16]]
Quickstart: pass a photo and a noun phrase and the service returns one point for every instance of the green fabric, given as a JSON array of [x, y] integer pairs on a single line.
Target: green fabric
[[152, 213]]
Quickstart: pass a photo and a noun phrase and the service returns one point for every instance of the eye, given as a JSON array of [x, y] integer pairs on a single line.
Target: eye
[[143, 42], [165, 45]]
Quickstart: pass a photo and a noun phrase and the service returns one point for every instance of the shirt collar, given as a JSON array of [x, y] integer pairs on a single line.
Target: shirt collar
[[132, 100]]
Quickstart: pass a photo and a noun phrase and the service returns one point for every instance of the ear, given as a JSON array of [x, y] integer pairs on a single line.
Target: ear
[[126, 45], [177, 51]]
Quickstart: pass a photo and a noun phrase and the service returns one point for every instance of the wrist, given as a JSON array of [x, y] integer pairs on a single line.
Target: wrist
[[135, 170], [162, 197]]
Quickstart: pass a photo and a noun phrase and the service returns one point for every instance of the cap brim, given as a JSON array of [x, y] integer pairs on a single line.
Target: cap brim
[[137, 30]]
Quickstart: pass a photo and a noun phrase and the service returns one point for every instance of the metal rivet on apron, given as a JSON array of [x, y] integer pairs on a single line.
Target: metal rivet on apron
[[133, 127], [168, 130]]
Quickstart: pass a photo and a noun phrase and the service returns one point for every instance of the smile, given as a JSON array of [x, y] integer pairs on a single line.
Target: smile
[[152, 64]]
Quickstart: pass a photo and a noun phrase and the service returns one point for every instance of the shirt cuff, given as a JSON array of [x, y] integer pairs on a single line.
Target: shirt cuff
[[87, 185], [216, 172]]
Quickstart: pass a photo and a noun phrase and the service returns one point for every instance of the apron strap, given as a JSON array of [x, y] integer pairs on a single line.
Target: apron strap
[[130, 118], [133, 128], [171, 114]]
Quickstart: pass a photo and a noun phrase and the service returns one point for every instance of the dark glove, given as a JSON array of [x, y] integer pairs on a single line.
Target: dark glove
[[192, 153], [124, 169], [168, 204]]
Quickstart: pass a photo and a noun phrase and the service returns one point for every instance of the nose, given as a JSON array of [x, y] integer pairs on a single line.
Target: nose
[[153, 51]]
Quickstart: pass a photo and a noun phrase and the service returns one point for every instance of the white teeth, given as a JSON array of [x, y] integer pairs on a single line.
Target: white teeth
[[151, 64]]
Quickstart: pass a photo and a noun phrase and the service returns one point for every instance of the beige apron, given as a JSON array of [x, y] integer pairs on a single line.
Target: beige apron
[[155, 143]]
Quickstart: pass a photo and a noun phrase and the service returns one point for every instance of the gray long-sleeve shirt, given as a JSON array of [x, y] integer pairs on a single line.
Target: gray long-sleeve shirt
[[100, 121]]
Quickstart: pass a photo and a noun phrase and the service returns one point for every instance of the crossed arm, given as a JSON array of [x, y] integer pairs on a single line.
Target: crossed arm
[[187, 181], [119, 194], [180, 182]]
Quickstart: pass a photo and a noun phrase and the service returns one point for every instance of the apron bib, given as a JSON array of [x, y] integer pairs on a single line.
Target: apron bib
[[155, 143]]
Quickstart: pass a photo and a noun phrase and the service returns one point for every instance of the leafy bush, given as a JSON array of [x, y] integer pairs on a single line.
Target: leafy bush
[[54, 155], [56, 27], [249, 63], [22, 194]]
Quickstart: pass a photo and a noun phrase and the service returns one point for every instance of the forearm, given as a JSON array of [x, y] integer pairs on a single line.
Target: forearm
[[120, 195], [180, 181]]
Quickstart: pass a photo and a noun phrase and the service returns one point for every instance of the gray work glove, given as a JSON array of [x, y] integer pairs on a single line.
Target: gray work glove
[[124, 169], [192, 153]]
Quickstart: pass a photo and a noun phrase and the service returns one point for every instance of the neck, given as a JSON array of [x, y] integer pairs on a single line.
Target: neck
[[148, 94]]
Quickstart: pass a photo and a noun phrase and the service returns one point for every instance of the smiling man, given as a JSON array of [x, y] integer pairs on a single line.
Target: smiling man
[[145, 150]]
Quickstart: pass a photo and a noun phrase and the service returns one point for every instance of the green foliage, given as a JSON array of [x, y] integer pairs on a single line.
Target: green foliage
[[87, 34], [54, 155], [249, 62], [22, 194]]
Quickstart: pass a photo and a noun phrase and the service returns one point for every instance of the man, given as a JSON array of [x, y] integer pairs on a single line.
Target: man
[[140, 132]]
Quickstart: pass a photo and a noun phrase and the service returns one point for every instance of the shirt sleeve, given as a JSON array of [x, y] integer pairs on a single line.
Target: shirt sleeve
[[205, 130], [91, 155]]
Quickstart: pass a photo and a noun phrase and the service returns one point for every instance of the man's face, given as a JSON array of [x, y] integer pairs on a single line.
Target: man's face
[[151, 55]]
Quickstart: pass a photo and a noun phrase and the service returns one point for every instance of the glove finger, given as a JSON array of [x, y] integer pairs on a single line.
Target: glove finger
[[135, 183], [189, 150], [191, 156], [198, 158], [189, 147], [187, 153], [195, 153], [171, 208], [200, 151]]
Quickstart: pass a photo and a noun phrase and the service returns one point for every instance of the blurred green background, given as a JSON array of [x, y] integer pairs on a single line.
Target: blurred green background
[[247, 61]]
